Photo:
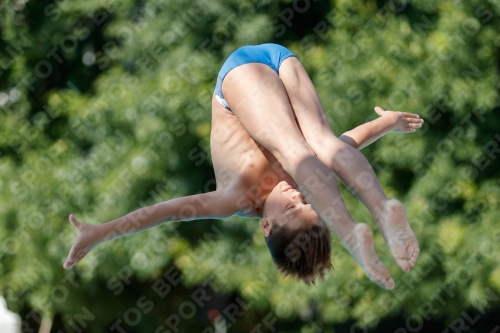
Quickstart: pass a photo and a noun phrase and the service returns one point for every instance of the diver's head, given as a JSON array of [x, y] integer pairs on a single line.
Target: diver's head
[[296, 236]]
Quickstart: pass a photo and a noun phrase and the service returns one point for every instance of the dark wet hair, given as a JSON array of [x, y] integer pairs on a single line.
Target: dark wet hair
[[302, 253]]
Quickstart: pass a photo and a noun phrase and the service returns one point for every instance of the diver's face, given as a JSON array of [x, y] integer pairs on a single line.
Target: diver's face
[[287, 205]]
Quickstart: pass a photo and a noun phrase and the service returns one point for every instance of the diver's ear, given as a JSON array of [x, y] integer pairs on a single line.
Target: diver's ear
[[266, 226]]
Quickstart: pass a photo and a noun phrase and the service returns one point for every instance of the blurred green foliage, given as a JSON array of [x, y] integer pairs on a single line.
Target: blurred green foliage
[[105, 108]]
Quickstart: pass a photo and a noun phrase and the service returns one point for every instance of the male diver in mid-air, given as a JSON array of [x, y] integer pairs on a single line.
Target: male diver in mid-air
[[276, 157]]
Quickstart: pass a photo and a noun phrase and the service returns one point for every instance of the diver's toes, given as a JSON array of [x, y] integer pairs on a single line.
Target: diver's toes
[[403, 264]]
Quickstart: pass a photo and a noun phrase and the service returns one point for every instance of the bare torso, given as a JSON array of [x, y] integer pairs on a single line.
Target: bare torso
[[241, 164]]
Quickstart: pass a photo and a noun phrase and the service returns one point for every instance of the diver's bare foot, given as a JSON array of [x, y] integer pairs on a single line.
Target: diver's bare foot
[[362, 249], [398, 234]]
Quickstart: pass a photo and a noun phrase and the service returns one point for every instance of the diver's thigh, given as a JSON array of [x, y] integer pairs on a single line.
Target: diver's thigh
[[257, 97], [305, 102]]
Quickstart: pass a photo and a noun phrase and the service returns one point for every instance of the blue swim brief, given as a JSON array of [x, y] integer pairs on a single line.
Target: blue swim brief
[[268, 54]]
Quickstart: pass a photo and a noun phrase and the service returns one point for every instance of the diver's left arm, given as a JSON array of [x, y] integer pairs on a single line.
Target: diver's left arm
[[399, 122], [210, 205]]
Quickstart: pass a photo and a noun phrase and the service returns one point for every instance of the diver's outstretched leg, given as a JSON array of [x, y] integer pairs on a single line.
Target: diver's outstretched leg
[[347, 163]]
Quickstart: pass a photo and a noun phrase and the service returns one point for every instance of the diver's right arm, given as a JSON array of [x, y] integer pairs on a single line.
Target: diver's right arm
[[400, 122]]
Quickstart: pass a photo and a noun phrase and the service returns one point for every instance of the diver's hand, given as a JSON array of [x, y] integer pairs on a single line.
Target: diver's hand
[[86, 240], [402, 122]]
